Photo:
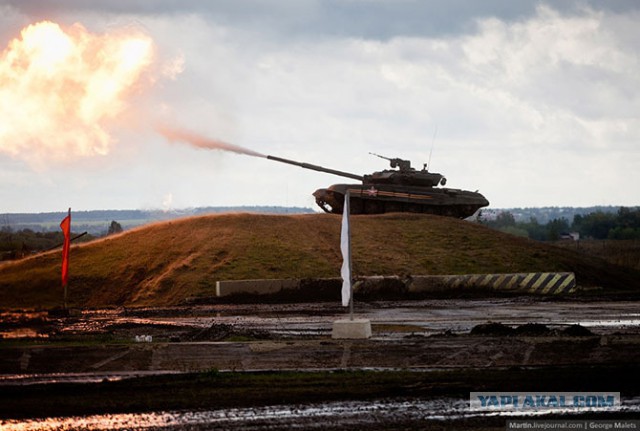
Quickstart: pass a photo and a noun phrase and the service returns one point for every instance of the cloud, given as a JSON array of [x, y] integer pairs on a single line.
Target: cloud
[[300, 19], [551, 70], [554, 88]]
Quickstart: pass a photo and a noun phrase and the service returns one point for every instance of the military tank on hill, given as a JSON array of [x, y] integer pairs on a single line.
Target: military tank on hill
[[400, 189]]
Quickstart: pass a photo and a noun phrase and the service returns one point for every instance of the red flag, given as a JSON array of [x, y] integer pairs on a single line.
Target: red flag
[[65, 225]]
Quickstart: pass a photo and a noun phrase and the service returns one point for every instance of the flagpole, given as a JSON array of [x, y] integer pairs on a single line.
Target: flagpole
[[65, 256], [348, 328], [347, 202], [66, 284]]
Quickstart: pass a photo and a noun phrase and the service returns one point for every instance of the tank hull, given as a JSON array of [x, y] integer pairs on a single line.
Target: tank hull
[[380, 199]]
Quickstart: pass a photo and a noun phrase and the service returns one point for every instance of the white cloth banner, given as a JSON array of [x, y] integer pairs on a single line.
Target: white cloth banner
[[345, 239]]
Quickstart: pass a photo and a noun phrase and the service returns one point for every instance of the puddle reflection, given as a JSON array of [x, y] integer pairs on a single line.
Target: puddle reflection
[[307, 417]]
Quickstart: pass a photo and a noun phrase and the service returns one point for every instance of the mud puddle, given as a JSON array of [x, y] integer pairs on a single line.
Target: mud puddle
[[315, 319], [380, 414], [53, 378]]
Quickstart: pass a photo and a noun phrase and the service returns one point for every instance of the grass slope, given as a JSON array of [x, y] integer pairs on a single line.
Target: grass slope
[[161, 264]]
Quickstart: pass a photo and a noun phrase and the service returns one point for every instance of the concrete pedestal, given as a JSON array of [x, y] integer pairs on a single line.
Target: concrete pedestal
[[351, 329]]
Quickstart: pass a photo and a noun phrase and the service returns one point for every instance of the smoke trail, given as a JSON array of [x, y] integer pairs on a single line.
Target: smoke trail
[[174, 134]]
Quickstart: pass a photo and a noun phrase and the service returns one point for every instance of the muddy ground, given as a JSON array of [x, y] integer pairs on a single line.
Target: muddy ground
[[245, 356]]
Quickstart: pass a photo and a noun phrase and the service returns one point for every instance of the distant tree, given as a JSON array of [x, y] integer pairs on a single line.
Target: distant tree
[[114, 227], [502, 220], [19, 243], [629, 218], [595, 225], [505, 219], [624, 233], [607, 224], [556, 227], [535, 230]]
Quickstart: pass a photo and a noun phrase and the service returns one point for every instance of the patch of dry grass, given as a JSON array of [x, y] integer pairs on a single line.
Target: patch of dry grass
[[617, 252]]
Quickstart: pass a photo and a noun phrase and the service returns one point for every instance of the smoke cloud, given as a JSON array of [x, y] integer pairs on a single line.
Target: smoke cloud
[[173, 134], [61, 86]]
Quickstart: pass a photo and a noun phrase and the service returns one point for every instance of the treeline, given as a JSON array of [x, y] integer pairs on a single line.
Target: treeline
[[96, 222], [8, 219], [142, 216], [25, 242], [624, 224]]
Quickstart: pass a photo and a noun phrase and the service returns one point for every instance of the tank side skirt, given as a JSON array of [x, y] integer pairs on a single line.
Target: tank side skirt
[[387, 202], [375, 201]]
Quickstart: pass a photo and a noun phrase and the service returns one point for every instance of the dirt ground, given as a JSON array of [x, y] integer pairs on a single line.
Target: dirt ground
[[421, 353]]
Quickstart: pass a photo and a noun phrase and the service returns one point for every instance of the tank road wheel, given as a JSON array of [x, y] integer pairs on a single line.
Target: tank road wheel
[[393, 207], [436, 210], [356, 206], [461, 212], [450, 212], [414, 208], [467, 211], [373, 207], [427, 209]]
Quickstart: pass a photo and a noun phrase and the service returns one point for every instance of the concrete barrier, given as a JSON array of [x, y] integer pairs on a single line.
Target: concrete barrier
[[351, 329], [255, 287]]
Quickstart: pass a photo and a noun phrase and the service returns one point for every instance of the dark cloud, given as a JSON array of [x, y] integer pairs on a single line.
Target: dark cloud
[[370, 19]]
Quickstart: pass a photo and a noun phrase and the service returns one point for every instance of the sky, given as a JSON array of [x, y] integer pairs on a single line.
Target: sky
[[532, 103]]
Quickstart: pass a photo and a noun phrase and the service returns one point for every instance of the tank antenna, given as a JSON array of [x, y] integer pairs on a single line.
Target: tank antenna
[[433, 142]]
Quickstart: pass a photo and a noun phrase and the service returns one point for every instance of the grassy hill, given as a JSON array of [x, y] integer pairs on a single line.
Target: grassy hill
[[164, 263]]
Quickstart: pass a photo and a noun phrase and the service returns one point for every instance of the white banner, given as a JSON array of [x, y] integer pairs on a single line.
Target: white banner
[[345, 247]]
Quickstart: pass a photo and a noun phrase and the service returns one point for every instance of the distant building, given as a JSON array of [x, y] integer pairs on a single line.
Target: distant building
[[574, 236]]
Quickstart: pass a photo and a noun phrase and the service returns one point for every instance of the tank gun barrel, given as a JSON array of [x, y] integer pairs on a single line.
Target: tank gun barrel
[[382, 157], [404, 165], [317, 168]]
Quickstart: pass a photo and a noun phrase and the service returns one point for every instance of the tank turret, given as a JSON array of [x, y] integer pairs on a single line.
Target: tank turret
[[404, 175], [404, 189]]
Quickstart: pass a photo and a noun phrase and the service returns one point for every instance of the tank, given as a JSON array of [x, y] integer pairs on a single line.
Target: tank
[[400, 189]]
